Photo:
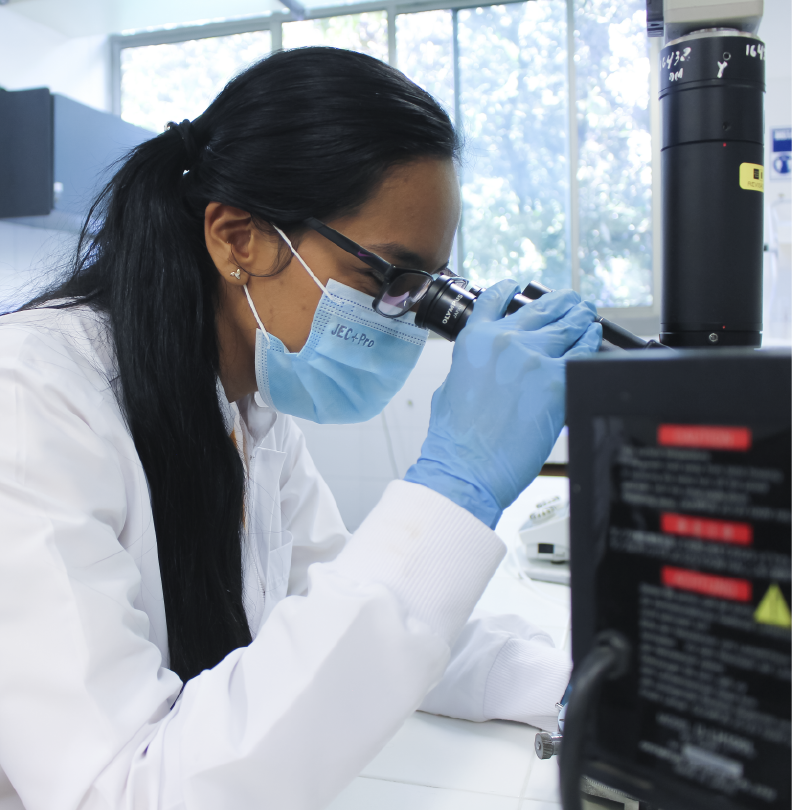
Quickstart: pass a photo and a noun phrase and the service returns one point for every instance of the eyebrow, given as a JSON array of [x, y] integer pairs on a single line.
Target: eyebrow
[[403, 255]]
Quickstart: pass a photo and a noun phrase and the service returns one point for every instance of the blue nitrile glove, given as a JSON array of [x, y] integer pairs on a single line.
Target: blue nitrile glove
[[498, 414]]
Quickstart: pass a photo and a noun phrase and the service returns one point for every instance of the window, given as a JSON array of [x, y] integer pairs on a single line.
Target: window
[[615, 152], [174, 81], [367, 33], [542, 200]]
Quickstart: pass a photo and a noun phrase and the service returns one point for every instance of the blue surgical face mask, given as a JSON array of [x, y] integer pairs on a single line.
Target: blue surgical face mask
[[353, 363]]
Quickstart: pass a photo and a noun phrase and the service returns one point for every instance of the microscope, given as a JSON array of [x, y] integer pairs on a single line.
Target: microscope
[[680, 475]]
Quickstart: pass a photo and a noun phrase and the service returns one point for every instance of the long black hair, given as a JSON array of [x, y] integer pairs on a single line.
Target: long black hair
[[307, 132]]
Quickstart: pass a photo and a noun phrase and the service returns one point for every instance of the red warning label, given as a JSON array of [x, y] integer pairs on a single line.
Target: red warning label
[[704, 437], [737, 590], [719, 531]]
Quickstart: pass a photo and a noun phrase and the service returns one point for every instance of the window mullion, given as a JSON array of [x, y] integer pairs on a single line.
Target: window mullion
[[574, 152], [115, 76], [392, 57], [276, 34], [460, 251]]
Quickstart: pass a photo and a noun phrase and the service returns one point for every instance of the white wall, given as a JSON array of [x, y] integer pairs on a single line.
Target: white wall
[[776, 31], [34, 55]]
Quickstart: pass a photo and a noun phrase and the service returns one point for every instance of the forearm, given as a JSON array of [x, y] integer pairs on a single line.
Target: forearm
[[291, 719], [502, 668]]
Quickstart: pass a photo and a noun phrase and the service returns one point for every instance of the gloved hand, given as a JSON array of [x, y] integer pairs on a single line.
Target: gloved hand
[[498, 414]]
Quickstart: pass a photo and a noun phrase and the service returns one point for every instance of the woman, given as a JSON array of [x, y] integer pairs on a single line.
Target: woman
[[158, 503]]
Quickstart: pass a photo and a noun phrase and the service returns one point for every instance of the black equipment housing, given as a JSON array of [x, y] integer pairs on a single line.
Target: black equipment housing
[[712, 95], [680, 541], [49, 142]]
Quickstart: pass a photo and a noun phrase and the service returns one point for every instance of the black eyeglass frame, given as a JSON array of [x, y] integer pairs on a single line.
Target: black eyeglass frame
[[386, 272]]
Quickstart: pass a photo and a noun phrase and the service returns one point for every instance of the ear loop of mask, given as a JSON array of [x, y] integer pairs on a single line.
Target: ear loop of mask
[[255, 314], [302, 262]]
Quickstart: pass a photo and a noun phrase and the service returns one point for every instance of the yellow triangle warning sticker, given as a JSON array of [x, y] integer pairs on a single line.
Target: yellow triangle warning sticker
[[773, 609]]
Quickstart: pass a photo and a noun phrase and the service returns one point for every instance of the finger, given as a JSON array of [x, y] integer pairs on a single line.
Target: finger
[[582, 314], [492, 303], [556, 338], [589, 342], [550, 307]]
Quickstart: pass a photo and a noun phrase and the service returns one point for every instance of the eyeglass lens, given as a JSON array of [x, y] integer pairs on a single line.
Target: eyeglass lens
[[403, 293]]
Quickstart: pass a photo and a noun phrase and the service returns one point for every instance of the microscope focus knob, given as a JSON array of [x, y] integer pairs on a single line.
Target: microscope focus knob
[[547, 745]]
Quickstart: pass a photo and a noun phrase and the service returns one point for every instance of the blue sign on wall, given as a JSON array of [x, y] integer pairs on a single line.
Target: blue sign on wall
[[781, 156]]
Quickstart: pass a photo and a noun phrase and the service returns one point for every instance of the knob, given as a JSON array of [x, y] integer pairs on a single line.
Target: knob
[[547, 745]]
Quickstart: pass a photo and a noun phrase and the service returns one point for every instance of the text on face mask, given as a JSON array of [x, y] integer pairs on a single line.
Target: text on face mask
[[346, 333]]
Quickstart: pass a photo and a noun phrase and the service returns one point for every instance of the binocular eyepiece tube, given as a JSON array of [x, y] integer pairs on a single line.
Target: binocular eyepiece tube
[[449, 301]]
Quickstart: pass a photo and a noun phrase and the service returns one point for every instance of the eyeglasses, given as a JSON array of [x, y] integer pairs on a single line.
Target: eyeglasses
[[401, 288]]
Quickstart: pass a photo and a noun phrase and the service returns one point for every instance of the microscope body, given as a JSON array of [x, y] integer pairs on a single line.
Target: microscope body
[[712, 177], [712, 82]]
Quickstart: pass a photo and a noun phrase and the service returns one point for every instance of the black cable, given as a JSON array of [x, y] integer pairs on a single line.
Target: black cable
[[609, 659]]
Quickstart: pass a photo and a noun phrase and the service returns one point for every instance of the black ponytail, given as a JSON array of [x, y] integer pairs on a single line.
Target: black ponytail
[[309, 132]]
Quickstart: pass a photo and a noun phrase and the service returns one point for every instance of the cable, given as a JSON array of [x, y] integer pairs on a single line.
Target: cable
[[608, 660]]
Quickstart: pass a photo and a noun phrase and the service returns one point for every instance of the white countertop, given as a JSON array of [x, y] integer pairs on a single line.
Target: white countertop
[[436, 763]]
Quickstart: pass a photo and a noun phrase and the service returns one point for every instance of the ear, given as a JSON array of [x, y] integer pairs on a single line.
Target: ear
[[235, 244]]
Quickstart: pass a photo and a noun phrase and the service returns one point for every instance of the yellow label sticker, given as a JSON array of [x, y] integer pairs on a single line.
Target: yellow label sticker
[[752, 176], [773, 609]]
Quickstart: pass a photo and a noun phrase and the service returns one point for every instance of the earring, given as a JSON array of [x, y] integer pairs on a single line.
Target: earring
[[236, 274]]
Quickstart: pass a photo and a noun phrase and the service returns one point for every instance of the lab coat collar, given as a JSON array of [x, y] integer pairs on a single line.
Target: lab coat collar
[[258, 420]]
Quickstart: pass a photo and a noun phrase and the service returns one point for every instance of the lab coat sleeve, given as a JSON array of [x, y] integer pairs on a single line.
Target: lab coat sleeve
[[287, 722], [308, 510], [502, 668]]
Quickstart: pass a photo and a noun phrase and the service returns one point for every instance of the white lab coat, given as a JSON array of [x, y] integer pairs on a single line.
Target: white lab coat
[[90, 715]]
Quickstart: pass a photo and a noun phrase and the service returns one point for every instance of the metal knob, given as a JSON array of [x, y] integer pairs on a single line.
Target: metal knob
[[547, 745]]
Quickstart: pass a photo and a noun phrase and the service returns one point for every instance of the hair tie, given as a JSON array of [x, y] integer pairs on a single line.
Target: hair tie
[[185, 129]]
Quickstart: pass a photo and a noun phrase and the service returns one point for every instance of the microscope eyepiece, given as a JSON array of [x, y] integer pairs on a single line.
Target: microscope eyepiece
[[447, 305]]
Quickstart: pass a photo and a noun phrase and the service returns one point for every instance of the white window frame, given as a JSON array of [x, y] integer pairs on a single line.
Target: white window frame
[[641, 320]]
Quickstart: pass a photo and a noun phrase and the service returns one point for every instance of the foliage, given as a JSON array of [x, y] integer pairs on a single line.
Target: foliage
[[366, 33], [614, 174], [425, 52], [513, 105], [161, 83], [512, 65]]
